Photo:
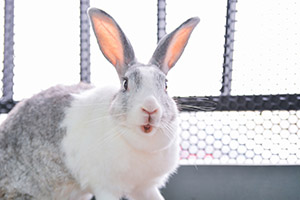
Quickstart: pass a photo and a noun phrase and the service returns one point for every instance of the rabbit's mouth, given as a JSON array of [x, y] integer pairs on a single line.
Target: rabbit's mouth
[[147, 128]]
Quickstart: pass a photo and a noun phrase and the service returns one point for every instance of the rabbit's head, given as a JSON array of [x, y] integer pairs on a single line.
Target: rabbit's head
[[146, 114]]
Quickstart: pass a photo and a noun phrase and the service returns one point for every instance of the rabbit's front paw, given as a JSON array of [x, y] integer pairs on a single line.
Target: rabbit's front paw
[[102, 195], [147, 194]]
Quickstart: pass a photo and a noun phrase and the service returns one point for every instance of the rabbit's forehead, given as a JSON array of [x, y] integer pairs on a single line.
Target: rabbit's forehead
[[146, 74]]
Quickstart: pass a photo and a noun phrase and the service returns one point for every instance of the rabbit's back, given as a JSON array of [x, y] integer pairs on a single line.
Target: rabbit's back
[[30, 138]]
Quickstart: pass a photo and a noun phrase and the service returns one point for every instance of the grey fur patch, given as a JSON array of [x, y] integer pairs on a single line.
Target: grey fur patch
[[135, 76], [134, 81], [167, 102], [160, 79], [30, 157]]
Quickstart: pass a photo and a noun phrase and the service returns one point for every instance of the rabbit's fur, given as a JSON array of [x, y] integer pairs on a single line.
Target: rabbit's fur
[[67, 142], [31, 161]]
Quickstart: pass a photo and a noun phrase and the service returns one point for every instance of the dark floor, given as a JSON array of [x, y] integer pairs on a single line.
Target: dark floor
[[234, 183]]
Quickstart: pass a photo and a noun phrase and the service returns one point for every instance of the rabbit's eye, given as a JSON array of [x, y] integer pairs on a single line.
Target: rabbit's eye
[[125, 83], [166, 84]]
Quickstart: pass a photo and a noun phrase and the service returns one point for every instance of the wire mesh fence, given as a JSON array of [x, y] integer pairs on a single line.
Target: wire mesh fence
[[240, 137]]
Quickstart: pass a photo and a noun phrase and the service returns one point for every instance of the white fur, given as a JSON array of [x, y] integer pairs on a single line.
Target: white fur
[[125, 142], [107, 158]]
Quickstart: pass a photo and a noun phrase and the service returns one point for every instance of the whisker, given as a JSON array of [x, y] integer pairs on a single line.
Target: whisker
[[196, 103], [100, 107], [169, 130], [95, 120], [108, 137], [195, 108], [89, 105]]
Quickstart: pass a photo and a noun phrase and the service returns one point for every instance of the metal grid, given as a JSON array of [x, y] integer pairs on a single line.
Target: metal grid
[[266, 49], [244, 137]]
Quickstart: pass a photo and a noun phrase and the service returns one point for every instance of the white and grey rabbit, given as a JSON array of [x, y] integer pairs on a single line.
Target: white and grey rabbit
[[68, 142]]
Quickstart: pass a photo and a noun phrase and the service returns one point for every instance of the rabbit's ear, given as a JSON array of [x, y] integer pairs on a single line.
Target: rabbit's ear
[[171, 46], [112, 41]]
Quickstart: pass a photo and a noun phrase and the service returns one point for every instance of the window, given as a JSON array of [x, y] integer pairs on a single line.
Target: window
[[46, 45], [267, 46]]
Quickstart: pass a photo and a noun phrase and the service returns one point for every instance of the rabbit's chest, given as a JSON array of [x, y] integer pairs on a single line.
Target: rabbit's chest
[[143, 167]]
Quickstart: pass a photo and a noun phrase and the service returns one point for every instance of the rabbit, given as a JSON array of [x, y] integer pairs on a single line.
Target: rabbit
[[72, 142]]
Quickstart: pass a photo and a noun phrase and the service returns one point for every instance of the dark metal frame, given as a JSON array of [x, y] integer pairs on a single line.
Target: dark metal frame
[[224, 102], [228, 47], [161, 19], [240, 103], [6, 102], [85, 72]]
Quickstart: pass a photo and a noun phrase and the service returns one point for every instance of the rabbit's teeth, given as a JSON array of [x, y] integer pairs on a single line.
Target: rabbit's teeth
[[147, 128]]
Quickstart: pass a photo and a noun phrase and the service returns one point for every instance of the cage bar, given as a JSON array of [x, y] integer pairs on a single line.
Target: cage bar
[[8, 61], [228, 47], [161, 19], [85, 72]]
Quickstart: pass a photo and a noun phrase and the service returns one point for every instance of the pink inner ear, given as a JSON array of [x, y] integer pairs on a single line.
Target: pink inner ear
[[176, 48], [109, 39]]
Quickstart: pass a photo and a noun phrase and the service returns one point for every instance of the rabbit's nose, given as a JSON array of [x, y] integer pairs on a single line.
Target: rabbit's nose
[[150, 105], [149, 112], [150, 117]]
